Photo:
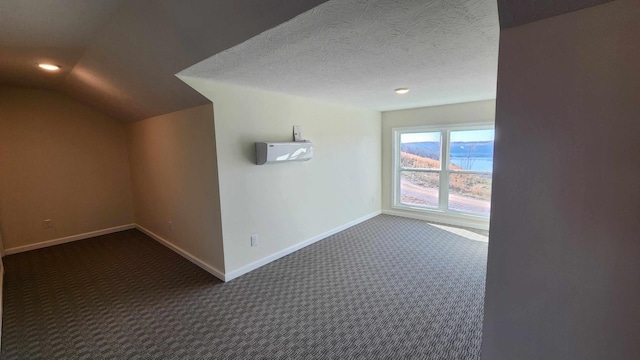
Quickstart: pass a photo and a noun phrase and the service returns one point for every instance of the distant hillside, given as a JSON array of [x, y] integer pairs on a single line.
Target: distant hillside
[[458, 149], [473, 148], [429, 150], [418, 162]]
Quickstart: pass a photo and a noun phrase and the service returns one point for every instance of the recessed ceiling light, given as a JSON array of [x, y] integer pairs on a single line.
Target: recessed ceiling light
[[49, 67], [402, 90]]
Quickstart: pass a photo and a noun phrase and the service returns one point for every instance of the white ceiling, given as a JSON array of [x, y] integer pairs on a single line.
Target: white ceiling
[[121, 56], [356, 52]]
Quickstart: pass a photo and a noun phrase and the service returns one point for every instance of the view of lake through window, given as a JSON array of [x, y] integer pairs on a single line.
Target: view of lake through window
[[461, 175]]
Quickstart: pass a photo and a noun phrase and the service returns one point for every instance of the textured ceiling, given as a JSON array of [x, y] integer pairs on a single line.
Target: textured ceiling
[[356, 52], [519, 12], [122, 56]]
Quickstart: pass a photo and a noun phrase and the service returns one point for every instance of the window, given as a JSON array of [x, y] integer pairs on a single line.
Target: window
[[445, 169]]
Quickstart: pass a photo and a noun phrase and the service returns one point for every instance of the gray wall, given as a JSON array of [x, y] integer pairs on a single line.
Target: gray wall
[[563, 277]]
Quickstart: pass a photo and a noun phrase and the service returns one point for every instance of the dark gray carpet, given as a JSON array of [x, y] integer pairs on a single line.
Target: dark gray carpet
[[386, 288]]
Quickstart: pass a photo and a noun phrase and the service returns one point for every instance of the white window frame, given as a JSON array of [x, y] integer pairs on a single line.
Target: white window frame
[[443, 195]]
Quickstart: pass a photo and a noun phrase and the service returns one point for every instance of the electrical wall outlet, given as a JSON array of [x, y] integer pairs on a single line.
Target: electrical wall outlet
[[170, 226], [47, 224], [254, 240]]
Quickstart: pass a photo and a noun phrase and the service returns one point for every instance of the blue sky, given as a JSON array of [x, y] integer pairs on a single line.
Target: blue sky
[[456, 136]]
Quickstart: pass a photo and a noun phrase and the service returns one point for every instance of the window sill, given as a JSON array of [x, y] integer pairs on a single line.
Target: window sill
[[445, 217]]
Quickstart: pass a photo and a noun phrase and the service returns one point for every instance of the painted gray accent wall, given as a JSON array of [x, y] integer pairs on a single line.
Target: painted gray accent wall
[[563, 278]]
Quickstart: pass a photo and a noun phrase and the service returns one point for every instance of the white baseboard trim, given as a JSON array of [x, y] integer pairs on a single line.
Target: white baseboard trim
[[254, 265], [185, 254], [43, 244], [438, 219], [208, 268]]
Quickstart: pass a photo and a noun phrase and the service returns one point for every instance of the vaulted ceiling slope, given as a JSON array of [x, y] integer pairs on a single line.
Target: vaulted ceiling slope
[[519, 12], [122, 56]]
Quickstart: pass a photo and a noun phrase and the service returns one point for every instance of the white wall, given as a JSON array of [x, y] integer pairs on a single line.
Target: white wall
[[174, 179], [464, 113], [59, 160], [563, 278], [286, 204]]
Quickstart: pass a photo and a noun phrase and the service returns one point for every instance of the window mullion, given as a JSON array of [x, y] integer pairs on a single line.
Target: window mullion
[[420, 170], [397, 188], [471, 172], [398, 170], [443, 193]]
